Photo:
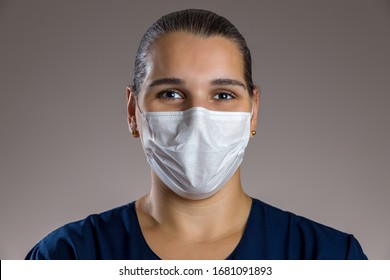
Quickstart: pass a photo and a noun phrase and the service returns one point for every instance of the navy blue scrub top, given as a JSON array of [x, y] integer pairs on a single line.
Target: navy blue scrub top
[[270, 233]]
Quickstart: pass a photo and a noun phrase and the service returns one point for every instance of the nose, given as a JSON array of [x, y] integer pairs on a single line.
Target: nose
[[198, 100]]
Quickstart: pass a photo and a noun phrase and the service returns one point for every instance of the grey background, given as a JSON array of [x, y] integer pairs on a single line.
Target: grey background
[[322, 148]]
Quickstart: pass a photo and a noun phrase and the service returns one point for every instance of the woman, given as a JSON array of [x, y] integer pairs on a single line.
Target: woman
[[194, 107]]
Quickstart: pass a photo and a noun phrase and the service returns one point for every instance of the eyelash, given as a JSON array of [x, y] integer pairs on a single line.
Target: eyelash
[[160, 95], [230, 95]]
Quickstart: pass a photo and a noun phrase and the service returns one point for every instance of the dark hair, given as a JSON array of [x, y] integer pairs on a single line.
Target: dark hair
[[199, 22]]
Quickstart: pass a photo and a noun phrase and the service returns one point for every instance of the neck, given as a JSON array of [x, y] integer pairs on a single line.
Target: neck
[[222, 214]]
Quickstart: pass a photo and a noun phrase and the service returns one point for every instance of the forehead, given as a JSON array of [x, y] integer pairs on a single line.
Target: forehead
[[183, 54]]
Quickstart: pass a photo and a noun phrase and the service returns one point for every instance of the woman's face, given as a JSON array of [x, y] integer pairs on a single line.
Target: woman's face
[[186, 70]]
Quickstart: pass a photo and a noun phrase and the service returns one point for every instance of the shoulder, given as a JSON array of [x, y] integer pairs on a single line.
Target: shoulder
[[85, 239], [305, 238]]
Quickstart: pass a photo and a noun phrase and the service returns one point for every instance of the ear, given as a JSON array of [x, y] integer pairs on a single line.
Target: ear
[[131, 116], [255, 108]]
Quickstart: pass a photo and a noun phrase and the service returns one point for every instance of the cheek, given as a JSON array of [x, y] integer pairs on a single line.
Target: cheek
[[246, 105]]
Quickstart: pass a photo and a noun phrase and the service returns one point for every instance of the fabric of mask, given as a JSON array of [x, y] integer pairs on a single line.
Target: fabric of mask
[[195, 152]]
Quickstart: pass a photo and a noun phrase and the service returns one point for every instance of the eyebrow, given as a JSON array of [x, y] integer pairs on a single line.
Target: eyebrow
[[177, 81], [227, 82], [166, 81]]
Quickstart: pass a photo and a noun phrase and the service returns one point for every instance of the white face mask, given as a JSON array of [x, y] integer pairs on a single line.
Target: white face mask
[[195, 152]]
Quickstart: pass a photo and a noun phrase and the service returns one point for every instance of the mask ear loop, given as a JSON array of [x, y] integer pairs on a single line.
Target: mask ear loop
[[137, 104]]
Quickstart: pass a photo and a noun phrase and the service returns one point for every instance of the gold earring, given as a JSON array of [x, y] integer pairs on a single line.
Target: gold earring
[[253, 132], [134, 132]]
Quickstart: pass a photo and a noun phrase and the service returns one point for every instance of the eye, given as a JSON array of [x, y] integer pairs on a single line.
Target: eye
[[170, 94], [223, 96]]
